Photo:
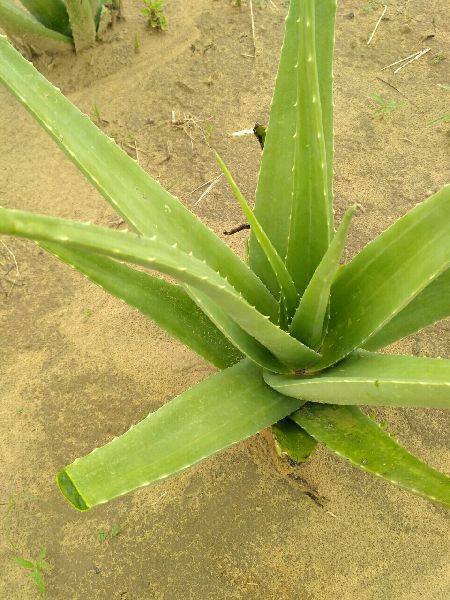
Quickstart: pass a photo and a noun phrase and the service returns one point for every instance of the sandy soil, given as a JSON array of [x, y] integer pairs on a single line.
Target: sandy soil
[[78, 367]]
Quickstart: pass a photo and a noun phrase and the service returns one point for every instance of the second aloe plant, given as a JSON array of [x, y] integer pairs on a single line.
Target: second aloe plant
[[295, 333], [57, 25]]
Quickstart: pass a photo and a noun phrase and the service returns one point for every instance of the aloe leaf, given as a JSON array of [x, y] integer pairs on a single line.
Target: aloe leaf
[[222, 410], [288, 291], [353, 435], [51, 13], [310, 222], [140, 199], [166, 259], [20, 24], [82, 23], [325, 19], [428, 307], [293, 440], [373, 379], [168, 305], [309, 320], [244, 342], [273, 201], [387, 275]]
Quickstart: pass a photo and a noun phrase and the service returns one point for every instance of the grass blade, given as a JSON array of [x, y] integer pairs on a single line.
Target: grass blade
[[23, 26], [428, 307], [293, 440], [309, 320], [287, 287], [140, 199], [82, 23], [387, 275], [166, 259], [51, 13], [373, 379], [355, 436], [273, 202], [168, 305], [222, 410], [310, 223]]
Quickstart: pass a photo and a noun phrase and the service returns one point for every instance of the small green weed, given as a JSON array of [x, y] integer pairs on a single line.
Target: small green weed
[[96, 113], [136, 43], [437, 58], [154, 12], [383, 107], [114, 530], [442, 119], [35, 568]]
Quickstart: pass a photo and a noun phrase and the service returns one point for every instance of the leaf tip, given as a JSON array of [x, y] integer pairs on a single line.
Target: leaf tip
[[70, 492]]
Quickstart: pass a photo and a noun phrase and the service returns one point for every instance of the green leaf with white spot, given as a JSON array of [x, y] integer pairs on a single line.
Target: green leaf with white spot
[[310, 220], [358, 438], [167, 259], [288, 292], [139, 198], [241, 340], [308, 324], [386, 276], [428, 307], [373, 379], [168, 305], [222, 410], [273, 203]]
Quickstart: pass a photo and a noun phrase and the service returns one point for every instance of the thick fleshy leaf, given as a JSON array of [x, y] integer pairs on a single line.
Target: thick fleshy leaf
[[82, 23], [373, 379], [310, 221], [222, 410], [140, 199], [51, 13], [244, 342], [387, 275], [167, 259], [428, 307], [325, 18], [274, 195], [287, 287], [353, 435], [293, 440], [308, 324], [20, 24], [273, 201], [168, 305]]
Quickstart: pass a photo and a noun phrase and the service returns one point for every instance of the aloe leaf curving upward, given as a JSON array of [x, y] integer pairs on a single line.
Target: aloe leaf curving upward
[[238, 316]]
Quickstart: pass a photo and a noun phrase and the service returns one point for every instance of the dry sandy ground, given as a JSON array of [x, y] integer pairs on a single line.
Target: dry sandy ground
[[78, 367]]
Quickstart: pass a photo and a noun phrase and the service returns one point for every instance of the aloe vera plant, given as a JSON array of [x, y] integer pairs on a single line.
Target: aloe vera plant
[[57, 25], [294, 333]]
